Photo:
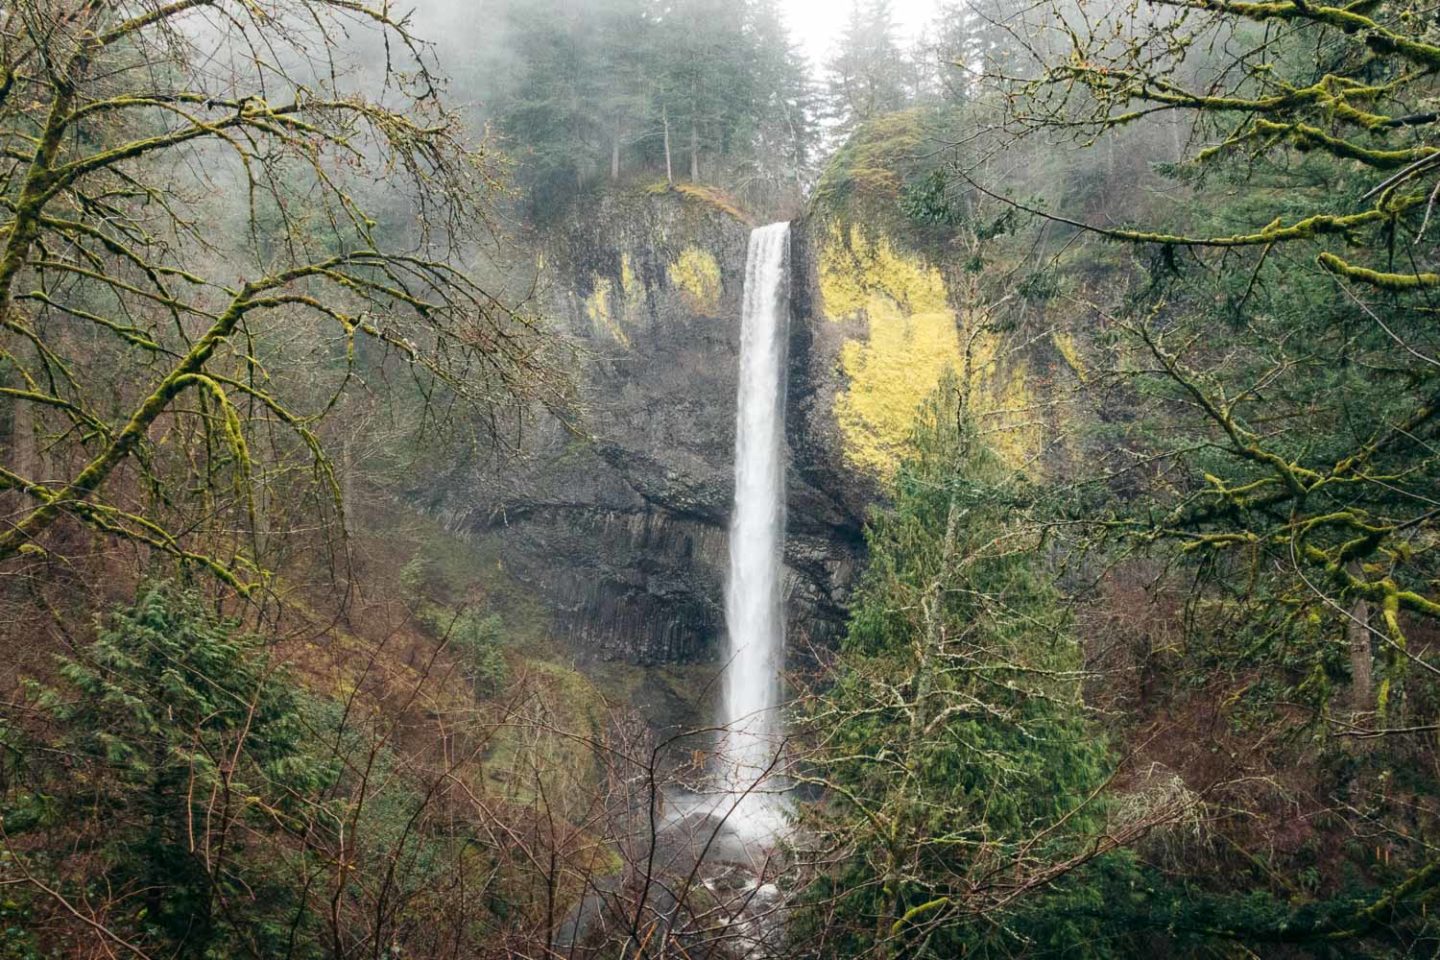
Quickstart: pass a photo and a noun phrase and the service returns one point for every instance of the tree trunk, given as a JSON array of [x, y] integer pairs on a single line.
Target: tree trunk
[[694, 152], [669, 172], [22, 453], [615, 154]]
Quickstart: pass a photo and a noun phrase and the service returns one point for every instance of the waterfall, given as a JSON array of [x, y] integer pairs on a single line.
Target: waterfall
[[754, 607]]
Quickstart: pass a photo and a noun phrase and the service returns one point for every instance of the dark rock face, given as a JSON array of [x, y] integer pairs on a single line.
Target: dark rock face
[[622, 530], [827, 500]]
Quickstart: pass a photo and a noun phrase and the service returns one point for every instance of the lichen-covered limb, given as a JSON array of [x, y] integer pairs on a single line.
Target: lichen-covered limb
[[126, 525], [1309, 136], [1419, 887], [129, 333], [75, 411], [1349, 19], [1321, 224], [1351, 533], [282, 122], [296, 423], [1308, 228], [186, 373], [89, 479], [1331, 94], [1242, 442], [148, 19], [97, 113], [1377, 278]]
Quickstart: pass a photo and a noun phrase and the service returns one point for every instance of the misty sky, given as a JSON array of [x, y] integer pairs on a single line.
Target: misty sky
[[816, 23]]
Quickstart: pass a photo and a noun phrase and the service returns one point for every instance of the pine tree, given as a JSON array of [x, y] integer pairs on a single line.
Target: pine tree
[[185, 740], [867, 75], [703, 82], [952, 746], [551, 117]]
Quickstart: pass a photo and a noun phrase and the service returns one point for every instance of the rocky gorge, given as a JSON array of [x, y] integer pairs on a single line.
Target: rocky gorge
[[619, 526], [621, 529]]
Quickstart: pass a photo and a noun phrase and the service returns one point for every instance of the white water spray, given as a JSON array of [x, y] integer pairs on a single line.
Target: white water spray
[[754, 608]]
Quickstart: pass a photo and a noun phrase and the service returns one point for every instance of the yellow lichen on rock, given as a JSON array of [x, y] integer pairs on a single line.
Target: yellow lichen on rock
[[854, 268], [889, 376], [601, 311], [913, 338], [912, 342], [697, 274], [1070, 351]]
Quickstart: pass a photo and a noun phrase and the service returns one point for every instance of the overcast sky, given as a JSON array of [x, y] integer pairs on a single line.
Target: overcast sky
[[815, 24]]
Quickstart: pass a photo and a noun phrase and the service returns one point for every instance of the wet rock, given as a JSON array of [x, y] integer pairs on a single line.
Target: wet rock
[[621, 531]]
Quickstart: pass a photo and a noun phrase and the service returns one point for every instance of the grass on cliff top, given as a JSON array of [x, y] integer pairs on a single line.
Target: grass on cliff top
[[700, 193]]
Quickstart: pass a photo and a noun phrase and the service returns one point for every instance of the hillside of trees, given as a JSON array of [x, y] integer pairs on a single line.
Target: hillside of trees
[[702, 90], [1158, 678]]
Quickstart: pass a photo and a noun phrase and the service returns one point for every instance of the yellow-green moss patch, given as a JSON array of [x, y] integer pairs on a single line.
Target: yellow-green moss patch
[[854, 268], [600, 308], [697, 274], [912, 341], [889, 375], [1070, 352], [913, 337]]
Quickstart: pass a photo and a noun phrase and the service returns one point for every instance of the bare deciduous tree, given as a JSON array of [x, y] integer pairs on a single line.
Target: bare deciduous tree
[[188, 199]]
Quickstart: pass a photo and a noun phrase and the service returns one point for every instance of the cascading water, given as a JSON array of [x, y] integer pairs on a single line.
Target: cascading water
[[727, 836], [754, 613]]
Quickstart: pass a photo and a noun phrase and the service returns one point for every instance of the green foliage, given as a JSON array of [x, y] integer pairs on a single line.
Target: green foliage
[[205, 807], [182, 738], [605, 87], [952, 742], [880, 176], [478, 639], [929, 201]]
